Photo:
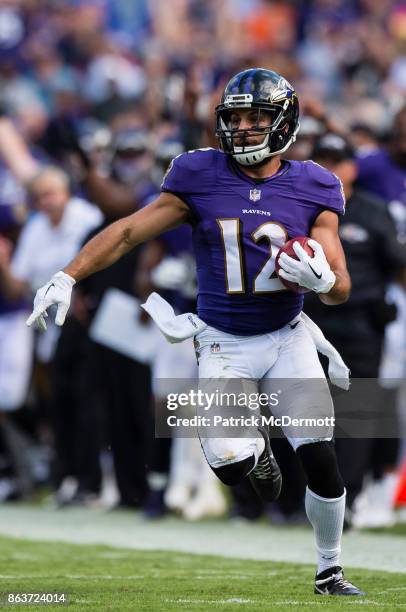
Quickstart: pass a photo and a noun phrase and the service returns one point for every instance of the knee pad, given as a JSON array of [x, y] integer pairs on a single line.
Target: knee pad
[[319, 462], [233, 473]]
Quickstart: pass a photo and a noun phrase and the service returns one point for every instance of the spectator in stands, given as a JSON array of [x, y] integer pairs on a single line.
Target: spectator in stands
[[383, 173], [111, 391], [374, 256], [50, 238]]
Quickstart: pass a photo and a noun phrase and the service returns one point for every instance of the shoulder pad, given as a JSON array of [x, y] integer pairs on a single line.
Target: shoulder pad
[[319, 174], [191, 173], [197, 159]]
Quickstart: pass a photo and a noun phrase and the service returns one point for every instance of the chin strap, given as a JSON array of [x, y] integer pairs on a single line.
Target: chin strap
[[256, 156]]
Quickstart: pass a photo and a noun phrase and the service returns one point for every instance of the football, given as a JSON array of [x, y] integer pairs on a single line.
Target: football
[[288, 249]]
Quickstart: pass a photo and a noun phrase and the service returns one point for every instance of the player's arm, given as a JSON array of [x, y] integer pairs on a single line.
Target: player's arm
[[165, 213], [325, 232]]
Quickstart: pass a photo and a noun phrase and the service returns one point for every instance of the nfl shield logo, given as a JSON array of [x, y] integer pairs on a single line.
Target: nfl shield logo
[[255, 195]]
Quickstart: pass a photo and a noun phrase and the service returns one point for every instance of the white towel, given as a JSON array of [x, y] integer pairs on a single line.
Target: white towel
[[338, 372], [177, 328]]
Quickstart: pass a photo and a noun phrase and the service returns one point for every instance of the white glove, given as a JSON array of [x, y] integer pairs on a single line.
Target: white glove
[[311, 272], [57, 291]]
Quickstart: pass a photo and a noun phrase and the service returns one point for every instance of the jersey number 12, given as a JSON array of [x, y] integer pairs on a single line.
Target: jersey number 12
[[266, 280]]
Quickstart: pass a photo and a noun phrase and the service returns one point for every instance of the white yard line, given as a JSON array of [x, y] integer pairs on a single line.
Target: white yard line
[[258, 541]]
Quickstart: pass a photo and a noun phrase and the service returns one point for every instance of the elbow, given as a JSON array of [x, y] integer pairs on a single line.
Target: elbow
[[128, 240], [343, 295], [127, 236], [335, 300], [342, 298], [346, 296], [346, 291]]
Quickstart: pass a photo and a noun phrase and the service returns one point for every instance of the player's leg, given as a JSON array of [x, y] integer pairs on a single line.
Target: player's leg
[[232, 459], [325, 509], [266, 477], [307, 394]]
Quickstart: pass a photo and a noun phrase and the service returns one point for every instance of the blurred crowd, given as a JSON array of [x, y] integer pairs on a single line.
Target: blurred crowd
[[98, 58], [96, 98]]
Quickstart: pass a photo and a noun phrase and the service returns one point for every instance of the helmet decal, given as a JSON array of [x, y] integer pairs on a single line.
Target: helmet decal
[[282, 91]]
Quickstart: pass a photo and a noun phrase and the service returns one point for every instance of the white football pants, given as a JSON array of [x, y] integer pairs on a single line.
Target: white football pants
[[287, 353]]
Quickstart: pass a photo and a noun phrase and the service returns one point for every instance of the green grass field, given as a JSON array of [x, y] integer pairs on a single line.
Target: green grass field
[[107, 578]]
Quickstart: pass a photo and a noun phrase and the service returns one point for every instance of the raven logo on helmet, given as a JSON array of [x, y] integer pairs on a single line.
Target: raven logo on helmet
[[282, 91], [274, 98]]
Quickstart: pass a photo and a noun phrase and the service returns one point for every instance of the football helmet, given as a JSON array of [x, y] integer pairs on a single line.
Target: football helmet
[[274, 99]]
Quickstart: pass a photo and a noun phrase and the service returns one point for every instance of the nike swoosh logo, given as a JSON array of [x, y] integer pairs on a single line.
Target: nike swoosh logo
[[322, 591], [50, 287], [314, 271], [294, 325]]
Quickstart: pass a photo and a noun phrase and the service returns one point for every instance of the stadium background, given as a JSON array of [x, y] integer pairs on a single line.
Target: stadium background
[[108, 91]]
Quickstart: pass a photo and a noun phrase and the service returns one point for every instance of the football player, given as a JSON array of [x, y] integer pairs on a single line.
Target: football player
[[244, 202]]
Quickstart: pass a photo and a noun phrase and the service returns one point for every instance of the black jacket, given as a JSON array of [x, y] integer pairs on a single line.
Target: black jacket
[[374, 255]]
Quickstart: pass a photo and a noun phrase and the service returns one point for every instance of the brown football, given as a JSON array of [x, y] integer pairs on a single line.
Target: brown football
[[288, 249]]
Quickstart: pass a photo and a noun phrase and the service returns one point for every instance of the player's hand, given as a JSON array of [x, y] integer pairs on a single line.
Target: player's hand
[[311, 272], [58, 291]]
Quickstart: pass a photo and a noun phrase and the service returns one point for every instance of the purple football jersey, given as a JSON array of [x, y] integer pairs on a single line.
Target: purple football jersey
[[379, 174], [177, 241], [239, 225]]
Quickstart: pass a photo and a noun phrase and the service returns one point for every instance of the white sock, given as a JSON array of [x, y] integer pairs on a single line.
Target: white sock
[[327, 517]]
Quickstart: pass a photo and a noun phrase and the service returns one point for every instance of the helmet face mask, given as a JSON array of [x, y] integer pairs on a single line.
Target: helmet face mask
[[269, 103]]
